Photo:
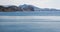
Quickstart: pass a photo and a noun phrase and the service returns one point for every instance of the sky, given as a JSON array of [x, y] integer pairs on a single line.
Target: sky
[[37, 3]]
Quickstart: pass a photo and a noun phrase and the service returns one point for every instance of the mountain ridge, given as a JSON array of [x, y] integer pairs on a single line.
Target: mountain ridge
[[24, 7]]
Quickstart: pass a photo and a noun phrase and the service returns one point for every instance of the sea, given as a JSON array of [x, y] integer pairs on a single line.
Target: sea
[[31, 13], [8, 22]]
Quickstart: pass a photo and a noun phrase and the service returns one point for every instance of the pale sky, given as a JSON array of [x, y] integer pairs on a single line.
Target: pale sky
[[38, 3]]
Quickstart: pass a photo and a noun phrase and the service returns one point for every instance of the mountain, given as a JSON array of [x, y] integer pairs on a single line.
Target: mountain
[[36, 8], [24, 7]]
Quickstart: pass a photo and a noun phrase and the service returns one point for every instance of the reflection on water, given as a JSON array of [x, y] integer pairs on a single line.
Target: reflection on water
[[29, 26]]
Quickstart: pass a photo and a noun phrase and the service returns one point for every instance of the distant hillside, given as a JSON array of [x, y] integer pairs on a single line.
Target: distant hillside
[[25, 7]]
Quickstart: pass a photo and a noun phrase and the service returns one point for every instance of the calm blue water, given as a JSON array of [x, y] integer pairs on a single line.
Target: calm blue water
[[21, 26], [13, 25], [35, 13]]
